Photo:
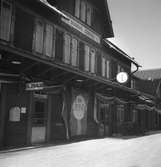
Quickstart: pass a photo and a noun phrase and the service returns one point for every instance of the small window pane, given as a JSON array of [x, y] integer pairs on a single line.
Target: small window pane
[[49, 40], [83, 11], [39, 35], [77, 8], [67, 41], [92, 55], [87, 50], [103, 66], [74, 54], [107, 69]]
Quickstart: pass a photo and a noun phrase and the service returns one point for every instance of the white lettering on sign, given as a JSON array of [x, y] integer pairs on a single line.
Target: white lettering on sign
[[79, 107], [81, 29], [35, 86]]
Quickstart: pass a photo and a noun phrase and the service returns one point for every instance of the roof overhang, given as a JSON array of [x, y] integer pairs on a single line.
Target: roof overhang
[[111, 45]]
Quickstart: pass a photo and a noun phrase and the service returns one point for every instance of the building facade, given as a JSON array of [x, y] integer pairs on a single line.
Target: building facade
[[58, 74]]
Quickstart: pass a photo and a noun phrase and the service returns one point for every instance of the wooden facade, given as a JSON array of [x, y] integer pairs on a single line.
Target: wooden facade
[[58, 74]]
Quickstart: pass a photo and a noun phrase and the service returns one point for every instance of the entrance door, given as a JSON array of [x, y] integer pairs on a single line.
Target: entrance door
[[39, 119], [104, 118]]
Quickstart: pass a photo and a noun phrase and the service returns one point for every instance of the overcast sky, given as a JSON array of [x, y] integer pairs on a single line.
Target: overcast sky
[[137, 29]]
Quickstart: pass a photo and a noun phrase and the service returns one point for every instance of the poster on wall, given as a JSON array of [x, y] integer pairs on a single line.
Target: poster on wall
[[14, 114], [78, 119]]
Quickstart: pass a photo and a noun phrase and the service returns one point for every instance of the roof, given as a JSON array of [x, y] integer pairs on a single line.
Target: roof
[[151, 74], [121, 52]]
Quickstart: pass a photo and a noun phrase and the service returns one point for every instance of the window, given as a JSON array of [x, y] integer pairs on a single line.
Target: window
[[132, 83], [83, 10], [70, 50], [105, 67], [89, 59], [92, 62], [87, 51], [67, 41], [44, 41], [120, 68], [74, 53], [39, 36], [48, 44], [5, 20]]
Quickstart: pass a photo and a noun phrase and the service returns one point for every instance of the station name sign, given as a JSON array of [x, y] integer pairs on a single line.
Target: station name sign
[[35, 86], [87, 32]]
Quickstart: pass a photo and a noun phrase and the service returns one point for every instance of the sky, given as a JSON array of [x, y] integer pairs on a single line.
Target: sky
[[137, 30]]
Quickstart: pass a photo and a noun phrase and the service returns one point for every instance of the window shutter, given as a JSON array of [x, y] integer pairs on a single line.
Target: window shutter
[[67, 44], [5, 20], [39, 36], [48, 46], [83, 11], [108, 69], [74, 54], [103, 66], [77, 8], [81, 55], [93, 56], [99, 63], [59, 45], [86, 61]]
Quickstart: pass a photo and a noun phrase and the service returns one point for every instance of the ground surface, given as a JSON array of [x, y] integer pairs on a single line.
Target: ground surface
[[137, 152]]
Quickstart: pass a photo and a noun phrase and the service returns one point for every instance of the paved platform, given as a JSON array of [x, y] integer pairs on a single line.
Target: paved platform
[[110, 152]]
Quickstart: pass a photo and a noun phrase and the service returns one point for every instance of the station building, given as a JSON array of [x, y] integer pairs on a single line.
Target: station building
[[58, 74]]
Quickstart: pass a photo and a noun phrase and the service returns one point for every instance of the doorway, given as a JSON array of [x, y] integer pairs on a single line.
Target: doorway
[[39, 119]]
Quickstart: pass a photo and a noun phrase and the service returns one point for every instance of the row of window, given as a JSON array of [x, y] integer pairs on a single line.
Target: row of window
[[46, 39], [83, 11]]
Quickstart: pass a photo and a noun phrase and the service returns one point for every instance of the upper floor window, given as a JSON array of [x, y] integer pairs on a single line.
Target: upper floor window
[[120, 68], [89, 59], [44, 38], [5, 19], [105, 67], [133, 83], [70, 50], [83, 10]]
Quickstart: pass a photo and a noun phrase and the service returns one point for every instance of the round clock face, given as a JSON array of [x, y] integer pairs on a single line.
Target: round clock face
[[122, 77]]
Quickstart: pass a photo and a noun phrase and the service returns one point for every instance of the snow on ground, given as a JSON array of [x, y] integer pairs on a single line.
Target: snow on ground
[[137, 152]]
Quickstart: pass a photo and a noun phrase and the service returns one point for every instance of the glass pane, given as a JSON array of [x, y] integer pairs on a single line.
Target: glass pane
[[77, 8], [67, 41], [5, 21], [92, 54], [48, 40], [107, 69], [87, 49], [83, 11], [74, 52], [39, 33], [89, 14], [103, 66]]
